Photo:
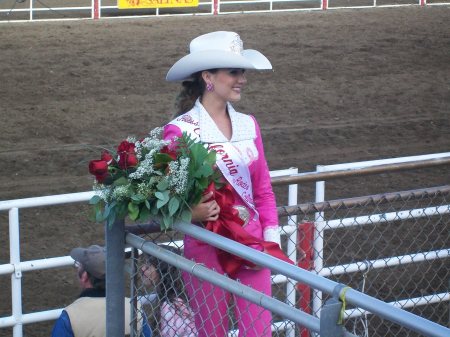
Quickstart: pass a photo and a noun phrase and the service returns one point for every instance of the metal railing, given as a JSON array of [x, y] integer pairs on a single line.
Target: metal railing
[[336, 290], [364, 262], [16, 266], [43, 10]]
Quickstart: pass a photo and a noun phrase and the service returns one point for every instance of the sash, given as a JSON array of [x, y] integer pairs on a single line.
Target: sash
[[229, 161]]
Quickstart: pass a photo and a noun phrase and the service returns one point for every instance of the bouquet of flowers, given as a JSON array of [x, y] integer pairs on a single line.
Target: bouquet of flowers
[[150, 178]]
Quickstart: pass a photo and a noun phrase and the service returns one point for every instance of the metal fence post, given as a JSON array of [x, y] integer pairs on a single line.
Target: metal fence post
[[115, 282], [328, 319]]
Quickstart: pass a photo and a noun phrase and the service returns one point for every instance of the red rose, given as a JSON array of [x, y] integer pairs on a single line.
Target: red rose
[[106, 156], [127, 155], [99, 168], [169, 152], [101, 178], [132, 160], [126, 146]]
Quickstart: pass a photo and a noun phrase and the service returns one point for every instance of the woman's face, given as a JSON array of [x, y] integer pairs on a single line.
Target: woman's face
[[150, 276], [228, 83]]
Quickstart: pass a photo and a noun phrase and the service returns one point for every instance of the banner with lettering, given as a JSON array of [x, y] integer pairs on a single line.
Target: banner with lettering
[[128, 4]]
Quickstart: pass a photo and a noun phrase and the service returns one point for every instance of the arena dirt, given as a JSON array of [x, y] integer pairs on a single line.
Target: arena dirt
[[347, 85]]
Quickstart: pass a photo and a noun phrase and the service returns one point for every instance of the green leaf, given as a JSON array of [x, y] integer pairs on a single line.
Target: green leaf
[[95, 200], [195, 198], [108, 208], [162, 158], [202, 183], [161, 203], [198, 153], [133, 210], [203, 171], [147, 204], [120, 182], [154, 210], [110, 219], [99, 215], [121, 209], [186, 216], [211, 158], [144, 214], [162, 185], [174, 205], [160, 195], [139, 198], [168, 222]]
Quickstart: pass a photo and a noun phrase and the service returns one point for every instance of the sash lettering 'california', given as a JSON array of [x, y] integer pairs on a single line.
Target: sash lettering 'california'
[[232, 169]]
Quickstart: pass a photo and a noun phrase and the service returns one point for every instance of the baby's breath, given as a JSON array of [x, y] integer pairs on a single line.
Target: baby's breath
[[131, 139], [145, 168], [178, 177], [123, 192], [145, 189], [102, 191]]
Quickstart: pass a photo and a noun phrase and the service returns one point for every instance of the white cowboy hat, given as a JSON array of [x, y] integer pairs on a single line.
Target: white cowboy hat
[[217, 50]]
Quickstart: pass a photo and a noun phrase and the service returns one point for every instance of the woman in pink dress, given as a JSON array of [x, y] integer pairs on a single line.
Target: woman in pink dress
[[213, 76]]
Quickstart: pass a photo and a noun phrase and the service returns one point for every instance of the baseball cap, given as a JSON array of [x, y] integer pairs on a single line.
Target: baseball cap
[[92, 258]]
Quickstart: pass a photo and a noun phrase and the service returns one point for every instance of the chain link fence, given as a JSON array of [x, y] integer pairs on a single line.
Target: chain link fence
[[395, 247]]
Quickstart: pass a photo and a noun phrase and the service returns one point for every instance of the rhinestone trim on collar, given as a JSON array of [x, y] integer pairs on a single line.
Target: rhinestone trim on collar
[[243, 126]]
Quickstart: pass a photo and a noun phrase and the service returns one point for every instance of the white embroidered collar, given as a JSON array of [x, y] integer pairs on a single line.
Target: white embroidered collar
[[243, 127]]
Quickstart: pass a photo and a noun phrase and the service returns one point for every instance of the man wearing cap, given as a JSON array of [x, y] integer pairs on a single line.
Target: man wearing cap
[[86, 316]]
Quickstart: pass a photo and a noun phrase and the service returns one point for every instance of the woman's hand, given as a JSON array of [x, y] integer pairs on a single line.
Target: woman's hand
[[205, 210]]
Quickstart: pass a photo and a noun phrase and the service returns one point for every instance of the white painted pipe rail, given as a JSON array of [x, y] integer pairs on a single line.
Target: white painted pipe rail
[[363, 266], [33, 265], [46, 200], [384, 217], [407, 303]]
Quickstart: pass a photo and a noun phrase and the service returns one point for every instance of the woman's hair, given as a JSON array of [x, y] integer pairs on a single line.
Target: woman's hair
[[191, 90], [170, 285]]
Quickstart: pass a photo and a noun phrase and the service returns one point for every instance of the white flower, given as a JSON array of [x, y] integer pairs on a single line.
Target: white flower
[[131, 139], [121, 192], [104, 192], [144, 169], [151, 143], [178, 177]]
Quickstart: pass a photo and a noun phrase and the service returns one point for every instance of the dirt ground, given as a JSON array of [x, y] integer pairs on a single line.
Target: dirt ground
[[347, 85]]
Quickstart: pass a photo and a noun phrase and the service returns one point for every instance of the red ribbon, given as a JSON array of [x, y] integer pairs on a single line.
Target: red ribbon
[[229, 225]]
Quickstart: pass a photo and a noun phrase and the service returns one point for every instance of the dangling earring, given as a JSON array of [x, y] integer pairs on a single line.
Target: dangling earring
[[210, 87]]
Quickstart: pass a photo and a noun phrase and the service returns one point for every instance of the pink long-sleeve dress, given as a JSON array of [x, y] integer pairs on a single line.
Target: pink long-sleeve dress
[[208, 302]]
